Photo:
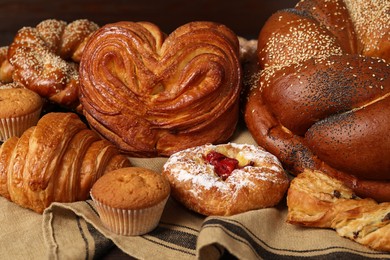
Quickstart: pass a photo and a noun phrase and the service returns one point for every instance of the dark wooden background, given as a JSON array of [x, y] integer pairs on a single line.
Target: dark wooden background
[[245, 17]]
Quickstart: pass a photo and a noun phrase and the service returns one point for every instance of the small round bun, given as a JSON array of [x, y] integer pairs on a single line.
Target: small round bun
[[226, 179], [130, 200]]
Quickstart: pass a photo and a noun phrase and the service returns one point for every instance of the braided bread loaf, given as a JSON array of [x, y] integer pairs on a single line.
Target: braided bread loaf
[[59, 159], [316, 200], [45, 58], [153, 94], [318, 103]]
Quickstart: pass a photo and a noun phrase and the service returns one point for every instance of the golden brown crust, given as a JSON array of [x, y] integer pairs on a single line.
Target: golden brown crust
[[16, 168], [315, 199], [100, 157], [317, 104], [5, 154], [260, 182], [45, 58], [20, 109], [70, 177], [158, 94], [16, 102], [131, 188], [45, 162]]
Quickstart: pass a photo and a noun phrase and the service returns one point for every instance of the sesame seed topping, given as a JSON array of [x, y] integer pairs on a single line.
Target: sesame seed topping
[[42, 56], [371, 26]]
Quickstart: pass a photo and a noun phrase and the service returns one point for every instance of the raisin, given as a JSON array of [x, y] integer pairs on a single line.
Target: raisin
[[336, 194], [386, 217]]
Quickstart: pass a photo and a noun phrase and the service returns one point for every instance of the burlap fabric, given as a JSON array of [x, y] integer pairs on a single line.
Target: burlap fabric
[[74, 231]]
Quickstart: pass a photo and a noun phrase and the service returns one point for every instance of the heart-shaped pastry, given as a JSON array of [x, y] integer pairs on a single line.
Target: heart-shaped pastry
[[154, 94]]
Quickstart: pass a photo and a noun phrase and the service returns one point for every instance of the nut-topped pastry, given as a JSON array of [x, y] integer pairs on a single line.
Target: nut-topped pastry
[[45, 58]]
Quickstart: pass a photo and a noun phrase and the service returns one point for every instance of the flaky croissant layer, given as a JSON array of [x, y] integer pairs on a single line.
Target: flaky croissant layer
[[153, 94], [59, 160], [317, 200]]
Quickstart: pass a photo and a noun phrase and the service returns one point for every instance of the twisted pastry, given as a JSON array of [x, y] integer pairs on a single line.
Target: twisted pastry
[[318, 103], [153, 94], [45, 58], [57, 160], [314, 199]]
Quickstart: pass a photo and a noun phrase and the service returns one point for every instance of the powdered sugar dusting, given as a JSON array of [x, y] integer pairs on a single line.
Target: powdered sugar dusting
[[189, 166]]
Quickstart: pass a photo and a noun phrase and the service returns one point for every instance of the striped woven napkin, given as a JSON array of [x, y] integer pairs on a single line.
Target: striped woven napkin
[[74, 231]]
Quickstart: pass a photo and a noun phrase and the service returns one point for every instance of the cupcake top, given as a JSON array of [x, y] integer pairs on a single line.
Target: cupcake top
[[131, 188], [15, 102]]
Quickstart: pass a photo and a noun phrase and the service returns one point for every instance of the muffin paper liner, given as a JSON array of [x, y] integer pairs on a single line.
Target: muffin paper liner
[[130, 222], [15, 126]]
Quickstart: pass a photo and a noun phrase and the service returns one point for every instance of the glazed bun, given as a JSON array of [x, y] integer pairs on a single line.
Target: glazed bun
[[318, 102], [45, 59]]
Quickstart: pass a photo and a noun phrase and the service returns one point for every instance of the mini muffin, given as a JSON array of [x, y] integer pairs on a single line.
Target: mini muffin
[[20, 109], [130, 200]]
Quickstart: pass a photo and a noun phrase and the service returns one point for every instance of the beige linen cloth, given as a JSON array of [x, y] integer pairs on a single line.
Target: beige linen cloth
[[74, 231]]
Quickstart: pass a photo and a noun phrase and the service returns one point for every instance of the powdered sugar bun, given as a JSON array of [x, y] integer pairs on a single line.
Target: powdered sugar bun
[[259, 181]]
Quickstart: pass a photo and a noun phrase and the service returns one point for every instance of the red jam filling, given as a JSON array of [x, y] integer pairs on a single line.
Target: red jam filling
[[223, 165]]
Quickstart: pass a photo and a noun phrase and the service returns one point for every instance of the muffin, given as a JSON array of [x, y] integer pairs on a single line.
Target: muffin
[[130, 200], [20, 109]]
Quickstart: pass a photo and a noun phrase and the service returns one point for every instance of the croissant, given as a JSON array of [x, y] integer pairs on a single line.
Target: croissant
[[45, 58], [315, 199], [59, 160], [153, 94]]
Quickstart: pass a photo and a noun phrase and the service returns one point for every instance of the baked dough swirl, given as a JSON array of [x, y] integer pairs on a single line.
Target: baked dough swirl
[[153, 94], [318, 103]]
